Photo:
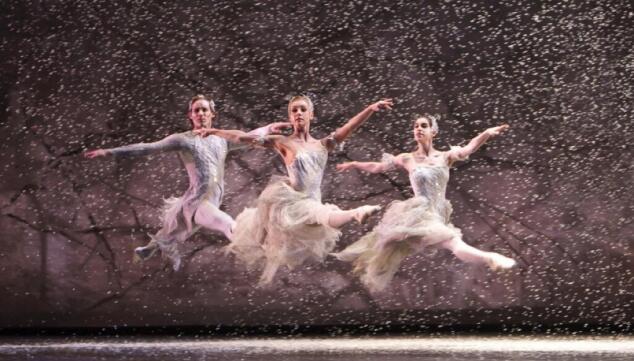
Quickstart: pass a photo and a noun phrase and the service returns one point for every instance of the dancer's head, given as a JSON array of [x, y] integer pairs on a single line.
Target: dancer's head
[[300, 111], [202, 111], [425, 127]]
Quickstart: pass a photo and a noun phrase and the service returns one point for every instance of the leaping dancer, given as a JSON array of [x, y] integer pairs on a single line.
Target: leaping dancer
[[204, 159], [290, 224], [407, 227]]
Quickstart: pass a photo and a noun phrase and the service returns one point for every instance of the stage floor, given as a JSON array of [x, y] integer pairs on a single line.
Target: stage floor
[[458, 348]]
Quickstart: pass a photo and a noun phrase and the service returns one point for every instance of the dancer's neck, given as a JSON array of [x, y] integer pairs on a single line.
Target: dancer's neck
[[302, 133], [425, 147]]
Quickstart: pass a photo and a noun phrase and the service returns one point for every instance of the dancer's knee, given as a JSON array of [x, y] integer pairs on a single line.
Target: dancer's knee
[[452, 243]]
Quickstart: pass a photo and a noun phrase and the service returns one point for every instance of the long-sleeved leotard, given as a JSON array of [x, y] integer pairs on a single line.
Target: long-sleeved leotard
[[204, 159]]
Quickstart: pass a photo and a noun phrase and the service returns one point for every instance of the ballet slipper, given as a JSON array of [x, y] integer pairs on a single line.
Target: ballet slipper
[[497, 262], [144, 253]]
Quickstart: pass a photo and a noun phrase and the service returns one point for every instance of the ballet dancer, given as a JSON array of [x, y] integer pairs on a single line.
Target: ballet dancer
[[289, 224], [204, 160], [407, 227]]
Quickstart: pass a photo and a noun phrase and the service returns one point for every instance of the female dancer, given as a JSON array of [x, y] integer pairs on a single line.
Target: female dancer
[[289, 224], [408, 226], [204, 159]]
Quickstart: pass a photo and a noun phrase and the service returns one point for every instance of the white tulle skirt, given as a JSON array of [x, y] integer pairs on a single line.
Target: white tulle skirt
[[407, 227], [177, 224], [285, 228]]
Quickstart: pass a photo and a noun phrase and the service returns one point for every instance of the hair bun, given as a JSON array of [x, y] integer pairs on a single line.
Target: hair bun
[[312, 96]]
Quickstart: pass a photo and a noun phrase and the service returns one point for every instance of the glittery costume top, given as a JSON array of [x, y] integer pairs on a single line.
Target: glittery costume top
[[204, 159], [307, 170], [430, 182]]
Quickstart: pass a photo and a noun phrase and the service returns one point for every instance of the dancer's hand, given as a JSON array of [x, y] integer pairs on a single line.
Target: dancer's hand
[[96, 153], [277, 127], [497, 130], [345, 166], [382, 104], [205, 132]]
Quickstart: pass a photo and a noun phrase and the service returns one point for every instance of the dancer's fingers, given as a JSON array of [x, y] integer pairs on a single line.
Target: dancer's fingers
[[499, 129], [279, 126], [386, 104], [342, 166], [94, 153]]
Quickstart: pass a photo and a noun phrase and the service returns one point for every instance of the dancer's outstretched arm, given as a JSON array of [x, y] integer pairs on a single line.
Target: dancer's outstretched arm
[[389, 162], [461, 153], [370, 167], [260, 136], [355, 122], [169, 143], [273, 128]]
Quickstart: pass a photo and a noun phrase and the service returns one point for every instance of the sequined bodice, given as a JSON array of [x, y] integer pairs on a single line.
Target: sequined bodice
[[430, 182], [307, 171], [208, 156]]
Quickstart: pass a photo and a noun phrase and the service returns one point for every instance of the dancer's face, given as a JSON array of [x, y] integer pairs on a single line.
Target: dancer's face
[[423, 130], [299, 113], [201, 114]]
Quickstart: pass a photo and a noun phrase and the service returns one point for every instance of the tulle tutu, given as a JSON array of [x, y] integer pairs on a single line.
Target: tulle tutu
[[407, 227], [286, 228]]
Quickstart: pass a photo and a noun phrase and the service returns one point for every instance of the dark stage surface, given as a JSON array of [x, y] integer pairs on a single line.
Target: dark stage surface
[[321, 349], [554, 192]]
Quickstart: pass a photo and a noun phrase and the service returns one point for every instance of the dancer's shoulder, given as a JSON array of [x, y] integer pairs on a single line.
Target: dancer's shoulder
[[400, 159], [188, 134]]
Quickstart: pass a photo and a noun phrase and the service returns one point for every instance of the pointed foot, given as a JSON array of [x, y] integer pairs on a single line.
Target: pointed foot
[[144, 253], [497, 262], [363, 212]]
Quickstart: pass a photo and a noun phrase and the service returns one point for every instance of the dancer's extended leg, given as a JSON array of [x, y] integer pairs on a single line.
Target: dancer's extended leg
[[210, 217], [337, 219], [207, 215], [471, 254]]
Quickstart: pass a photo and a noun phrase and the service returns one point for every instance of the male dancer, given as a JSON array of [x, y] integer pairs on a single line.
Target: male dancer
[[204, 159]]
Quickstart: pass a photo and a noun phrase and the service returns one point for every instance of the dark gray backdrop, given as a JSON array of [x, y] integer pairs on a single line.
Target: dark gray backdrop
[[554, 192]]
